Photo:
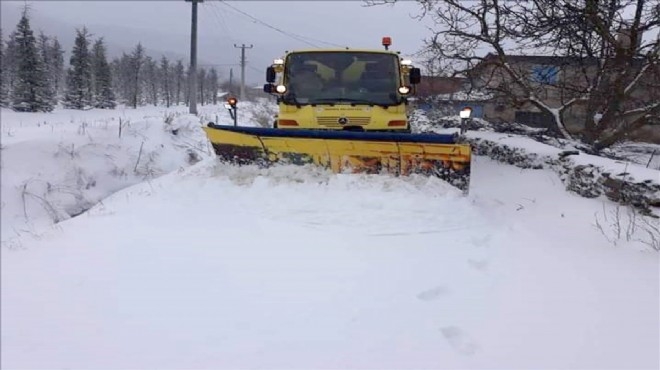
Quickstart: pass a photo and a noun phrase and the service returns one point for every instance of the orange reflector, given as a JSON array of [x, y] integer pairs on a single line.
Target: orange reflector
[[397, 123], [287, 122]]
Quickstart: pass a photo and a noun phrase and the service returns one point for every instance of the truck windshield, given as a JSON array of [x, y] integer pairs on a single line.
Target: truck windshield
[[342, 77]]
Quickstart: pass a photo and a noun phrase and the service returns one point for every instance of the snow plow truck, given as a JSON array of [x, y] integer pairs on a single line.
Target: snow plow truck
[[346, 110]]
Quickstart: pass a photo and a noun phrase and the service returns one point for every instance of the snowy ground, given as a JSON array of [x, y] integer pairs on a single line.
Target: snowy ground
[[212, 266]]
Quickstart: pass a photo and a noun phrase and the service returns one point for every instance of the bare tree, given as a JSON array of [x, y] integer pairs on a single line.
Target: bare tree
[[607, 53], [201, 84], [151, 81], [213, 86], [179, 81]]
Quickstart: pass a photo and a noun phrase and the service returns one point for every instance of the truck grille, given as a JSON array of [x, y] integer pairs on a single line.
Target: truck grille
[[333, 121]]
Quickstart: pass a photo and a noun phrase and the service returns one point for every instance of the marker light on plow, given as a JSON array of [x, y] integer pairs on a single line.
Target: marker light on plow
[[465, 117]]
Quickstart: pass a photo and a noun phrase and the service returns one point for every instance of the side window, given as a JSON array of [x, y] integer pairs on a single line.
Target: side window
[[545, 74]]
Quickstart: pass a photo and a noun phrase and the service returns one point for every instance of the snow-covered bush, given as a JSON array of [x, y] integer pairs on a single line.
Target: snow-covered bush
[[262, 112], [58, 170], [581, 172]]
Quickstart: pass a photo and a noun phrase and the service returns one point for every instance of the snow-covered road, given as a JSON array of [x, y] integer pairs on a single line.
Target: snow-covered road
[[220, 267]]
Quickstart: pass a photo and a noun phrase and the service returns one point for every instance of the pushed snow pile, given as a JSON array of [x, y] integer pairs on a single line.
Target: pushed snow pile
[[55, 167], [588, 175]]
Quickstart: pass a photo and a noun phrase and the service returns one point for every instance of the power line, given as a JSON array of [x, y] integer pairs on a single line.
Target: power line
[[254, 68], [219, 18], [289, 34], [218, 65], [293, 36]]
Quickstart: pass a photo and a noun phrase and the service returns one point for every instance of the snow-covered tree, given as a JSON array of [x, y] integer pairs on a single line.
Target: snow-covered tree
[[151, 80], [10, 65], [104, 96], [137, 60], [45, 51], [122, 78], [79, 89], [213, 86], [609, 54], [56, 66], [166, 80], [185, 87], [4, 95], [201, 84], [30, 91], [179, 81]]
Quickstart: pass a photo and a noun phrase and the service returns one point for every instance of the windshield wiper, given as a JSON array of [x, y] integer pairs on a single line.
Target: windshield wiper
[[352, 101], [291, 98]]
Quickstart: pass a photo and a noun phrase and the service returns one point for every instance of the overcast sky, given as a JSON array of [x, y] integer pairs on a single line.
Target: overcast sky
[[163, 27]]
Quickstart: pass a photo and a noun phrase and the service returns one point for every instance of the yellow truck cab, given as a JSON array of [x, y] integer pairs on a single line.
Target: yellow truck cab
[[342, 89]]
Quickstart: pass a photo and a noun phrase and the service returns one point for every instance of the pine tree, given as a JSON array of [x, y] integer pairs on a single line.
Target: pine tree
[[43, 43], [4, 96], [30, 91], [56, 68], [122, 73], [10, 65], [79, 93], [134, 70], [104, 96]]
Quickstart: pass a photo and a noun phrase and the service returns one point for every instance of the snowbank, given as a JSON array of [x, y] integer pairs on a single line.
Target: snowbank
[[56, 166]]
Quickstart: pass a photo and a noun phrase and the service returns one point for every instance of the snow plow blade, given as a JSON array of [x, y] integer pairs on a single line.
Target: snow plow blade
[[346, 151]]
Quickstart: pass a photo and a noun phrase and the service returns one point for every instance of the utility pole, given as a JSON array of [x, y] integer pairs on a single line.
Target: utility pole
[[192, 77], [243, 63], [231, 80]]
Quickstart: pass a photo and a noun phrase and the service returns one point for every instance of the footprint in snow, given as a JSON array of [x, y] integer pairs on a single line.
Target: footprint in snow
[[459, 340], [431, 294], [480, 242], [481, 265]]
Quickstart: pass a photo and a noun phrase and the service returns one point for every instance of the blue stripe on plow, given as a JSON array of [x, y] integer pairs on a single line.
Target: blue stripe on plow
[[340, 135]]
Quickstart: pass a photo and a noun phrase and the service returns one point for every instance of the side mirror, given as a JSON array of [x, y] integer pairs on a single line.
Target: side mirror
[[269, 88], [270, 74], [415, 76]]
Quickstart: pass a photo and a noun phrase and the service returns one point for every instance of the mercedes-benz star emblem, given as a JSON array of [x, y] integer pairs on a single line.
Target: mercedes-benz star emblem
[[343, 120]]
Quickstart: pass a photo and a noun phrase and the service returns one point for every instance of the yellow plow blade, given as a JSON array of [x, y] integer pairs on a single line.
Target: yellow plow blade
[[344, 151]]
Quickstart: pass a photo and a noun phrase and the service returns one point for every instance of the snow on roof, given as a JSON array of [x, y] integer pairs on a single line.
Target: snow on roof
[[474, 95]]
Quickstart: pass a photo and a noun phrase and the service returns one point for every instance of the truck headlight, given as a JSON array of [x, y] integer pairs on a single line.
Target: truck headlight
[[403, 90], [281, 89]]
